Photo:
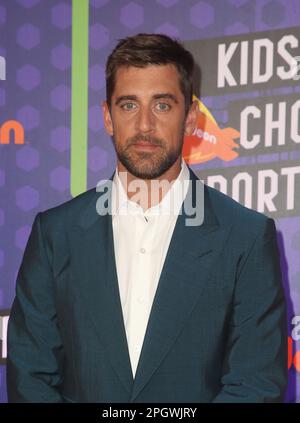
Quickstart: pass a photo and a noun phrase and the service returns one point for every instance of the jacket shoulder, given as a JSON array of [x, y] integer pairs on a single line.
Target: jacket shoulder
[[70, 208], [229, 211]]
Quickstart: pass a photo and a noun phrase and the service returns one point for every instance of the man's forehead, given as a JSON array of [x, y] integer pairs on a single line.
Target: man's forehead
[[161, 68], [156, 78]]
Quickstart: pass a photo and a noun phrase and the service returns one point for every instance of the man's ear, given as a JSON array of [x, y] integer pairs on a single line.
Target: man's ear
[[191, 119], [107, 119]]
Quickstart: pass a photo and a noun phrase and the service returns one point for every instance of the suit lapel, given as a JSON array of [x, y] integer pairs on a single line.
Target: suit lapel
[[185, 273], [94, 270]]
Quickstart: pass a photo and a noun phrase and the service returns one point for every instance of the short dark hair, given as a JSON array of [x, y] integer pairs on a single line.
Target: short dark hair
[[142, 50]]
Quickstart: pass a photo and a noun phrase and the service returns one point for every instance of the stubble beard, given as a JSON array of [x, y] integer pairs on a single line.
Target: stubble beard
[[144, 164]]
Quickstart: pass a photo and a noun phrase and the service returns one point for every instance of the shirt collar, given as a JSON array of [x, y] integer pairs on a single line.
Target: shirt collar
[[170, 204]]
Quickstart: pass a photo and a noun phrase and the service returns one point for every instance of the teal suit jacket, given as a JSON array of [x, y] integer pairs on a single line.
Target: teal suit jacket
[[217, 327]]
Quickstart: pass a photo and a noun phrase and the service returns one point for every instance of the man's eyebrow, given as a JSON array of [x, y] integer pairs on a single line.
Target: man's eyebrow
[[155, 97], [125, 97], [166, 96]]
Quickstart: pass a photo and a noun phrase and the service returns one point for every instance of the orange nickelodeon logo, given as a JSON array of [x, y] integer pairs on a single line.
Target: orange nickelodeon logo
[[209, 140], [293, 356], [12, 130]]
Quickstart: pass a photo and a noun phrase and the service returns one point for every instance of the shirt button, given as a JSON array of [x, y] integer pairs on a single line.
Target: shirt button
[[142, 250], [141, 300]]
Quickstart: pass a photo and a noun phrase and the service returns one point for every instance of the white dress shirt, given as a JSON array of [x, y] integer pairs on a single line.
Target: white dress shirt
[[141, 242]]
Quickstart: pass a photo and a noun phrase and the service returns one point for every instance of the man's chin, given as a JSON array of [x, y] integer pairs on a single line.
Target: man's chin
[[146, 165], [145, 174]]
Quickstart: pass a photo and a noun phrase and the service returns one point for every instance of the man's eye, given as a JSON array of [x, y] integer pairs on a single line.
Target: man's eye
[[163, 107], [128, 106]]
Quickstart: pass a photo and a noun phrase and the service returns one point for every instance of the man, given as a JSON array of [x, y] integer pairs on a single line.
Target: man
[[134, 304]]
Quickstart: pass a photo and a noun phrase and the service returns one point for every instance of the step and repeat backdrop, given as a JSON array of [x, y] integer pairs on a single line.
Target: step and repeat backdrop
[[247, 144]]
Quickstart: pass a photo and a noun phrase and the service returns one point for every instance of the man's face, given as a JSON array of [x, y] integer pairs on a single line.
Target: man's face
[[147, 120]]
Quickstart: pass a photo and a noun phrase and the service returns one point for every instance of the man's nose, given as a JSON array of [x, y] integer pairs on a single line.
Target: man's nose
[[145, 120]]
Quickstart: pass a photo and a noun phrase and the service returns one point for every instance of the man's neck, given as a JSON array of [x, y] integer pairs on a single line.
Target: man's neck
[[148, 192]]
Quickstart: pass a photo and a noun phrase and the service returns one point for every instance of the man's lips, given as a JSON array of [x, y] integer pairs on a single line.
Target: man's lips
[[141, 145]]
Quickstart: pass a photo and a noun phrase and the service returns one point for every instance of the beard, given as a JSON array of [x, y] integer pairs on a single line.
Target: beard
[[148, 164]]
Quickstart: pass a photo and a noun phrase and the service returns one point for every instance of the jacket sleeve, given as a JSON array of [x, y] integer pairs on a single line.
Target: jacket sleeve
[[35, 351], [255, 364]]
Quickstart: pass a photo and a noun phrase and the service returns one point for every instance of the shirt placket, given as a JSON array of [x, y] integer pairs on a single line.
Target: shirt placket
[[139, 310]]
